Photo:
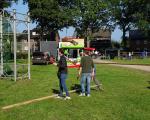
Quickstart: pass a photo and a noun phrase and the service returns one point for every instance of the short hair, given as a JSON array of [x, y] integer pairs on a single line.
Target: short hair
[[86, 52], [61, 51]]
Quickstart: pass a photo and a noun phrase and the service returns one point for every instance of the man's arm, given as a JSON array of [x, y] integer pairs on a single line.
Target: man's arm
[[92, 74], [79, 73], [80, 70]]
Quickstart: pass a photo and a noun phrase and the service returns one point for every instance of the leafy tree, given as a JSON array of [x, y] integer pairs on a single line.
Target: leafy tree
[[91, 16], [6, 3], [143, 22], [84, 15], [126, 14], [50, 15], [6, 28], [144, 17]]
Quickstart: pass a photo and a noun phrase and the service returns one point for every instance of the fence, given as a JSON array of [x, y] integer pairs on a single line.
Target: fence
[[121, 55], [12, 24]]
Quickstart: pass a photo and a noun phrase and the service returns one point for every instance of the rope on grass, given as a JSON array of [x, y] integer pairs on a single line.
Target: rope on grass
[[36, 100]]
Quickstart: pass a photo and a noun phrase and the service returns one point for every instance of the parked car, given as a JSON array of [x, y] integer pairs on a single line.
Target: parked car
[[40, 58]]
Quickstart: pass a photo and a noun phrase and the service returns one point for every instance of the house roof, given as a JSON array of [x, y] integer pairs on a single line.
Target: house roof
[[102, 34]]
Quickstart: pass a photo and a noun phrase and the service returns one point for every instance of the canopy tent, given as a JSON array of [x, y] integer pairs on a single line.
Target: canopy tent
[[89, 49], [74, 45]]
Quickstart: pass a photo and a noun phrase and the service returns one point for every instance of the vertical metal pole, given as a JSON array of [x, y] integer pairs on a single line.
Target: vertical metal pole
[[118, 53], [29, 75], [78, 53], [1, 41], [15, 46], [34, 46]]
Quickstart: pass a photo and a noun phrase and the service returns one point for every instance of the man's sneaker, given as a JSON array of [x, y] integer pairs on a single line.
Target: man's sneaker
[[59, 97], [67, 98], [82, 94], [88, 95]]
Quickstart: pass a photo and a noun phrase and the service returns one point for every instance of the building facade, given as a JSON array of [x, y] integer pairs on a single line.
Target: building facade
[[101, 40], [139, 40]]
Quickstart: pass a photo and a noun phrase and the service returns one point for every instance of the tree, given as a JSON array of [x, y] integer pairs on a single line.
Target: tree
[[54, 15], [6, 3], [91, 16], [50, 15], [126, 14], [6, 27], [143, 22]]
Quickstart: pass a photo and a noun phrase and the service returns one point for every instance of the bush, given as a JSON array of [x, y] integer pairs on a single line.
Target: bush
[[22, 55], [7, 70]]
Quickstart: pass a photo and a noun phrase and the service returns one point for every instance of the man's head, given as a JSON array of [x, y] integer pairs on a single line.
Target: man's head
[[86, 52], [61, 52], [81, 54]]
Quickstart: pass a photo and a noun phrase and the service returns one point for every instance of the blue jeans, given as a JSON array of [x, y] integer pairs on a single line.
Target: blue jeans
[[62, 84], [84, 77]]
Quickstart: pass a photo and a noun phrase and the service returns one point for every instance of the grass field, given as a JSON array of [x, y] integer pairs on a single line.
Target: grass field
[[145, 61], [126, 96]]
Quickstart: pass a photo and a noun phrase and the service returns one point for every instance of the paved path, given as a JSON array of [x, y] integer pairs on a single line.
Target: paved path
[[104, 61], [139, 67]]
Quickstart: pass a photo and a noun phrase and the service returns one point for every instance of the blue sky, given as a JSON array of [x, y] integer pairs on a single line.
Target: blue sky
[[116, 35]]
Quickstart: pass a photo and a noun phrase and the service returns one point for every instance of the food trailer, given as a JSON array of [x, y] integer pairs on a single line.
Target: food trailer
[[72, 48]]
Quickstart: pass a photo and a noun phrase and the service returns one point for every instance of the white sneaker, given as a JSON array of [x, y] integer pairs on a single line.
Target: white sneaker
[[59, 97], [67, 98], [88, 95], [82, 94]]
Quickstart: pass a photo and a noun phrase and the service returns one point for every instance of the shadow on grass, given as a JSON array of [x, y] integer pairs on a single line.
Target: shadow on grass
[[148, 87], [76, 87], [55, 91]]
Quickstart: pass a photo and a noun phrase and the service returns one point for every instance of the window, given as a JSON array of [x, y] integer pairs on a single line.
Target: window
[[145, 42], [137, 42]]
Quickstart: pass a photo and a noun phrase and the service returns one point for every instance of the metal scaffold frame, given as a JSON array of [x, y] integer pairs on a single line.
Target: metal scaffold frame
[[15, 22]]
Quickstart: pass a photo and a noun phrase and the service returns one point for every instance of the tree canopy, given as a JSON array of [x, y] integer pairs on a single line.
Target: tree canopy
[[6, 3], [51, 15], [85, 15], [127, 14], [92, 15]]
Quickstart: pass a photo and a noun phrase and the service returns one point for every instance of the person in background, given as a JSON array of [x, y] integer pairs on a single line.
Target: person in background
[[62, 75], [97, 82], [85, 69], [130, 55], [96, 53]]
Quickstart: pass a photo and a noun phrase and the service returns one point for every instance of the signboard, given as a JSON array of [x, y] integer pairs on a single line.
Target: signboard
[[72, 43]]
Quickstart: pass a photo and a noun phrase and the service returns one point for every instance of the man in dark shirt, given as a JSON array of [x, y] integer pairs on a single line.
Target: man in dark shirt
[[62, 74], [86, 67]]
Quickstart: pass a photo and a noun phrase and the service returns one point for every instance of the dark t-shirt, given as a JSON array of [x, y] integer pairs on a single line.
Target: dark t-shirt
[[62, 65], [87, 64]]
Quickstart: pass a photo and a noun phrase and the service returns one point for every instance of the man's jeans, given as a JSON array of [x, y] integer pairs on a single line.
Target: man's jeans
[[84, 77], [62, 84]]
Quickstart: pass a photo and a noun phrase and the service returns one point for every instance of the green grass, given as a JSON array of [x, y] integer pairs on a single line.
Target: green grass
[[126, 96], [145, 61]]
